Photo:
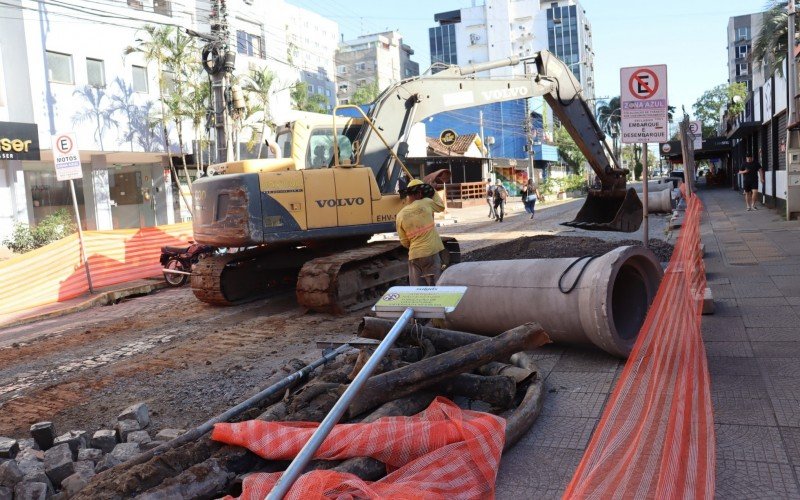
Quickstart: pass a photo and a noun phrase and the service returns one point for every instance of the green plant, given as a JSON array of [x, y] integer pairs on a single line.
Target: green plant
[[573, 182], [55, 226], [550, 186]]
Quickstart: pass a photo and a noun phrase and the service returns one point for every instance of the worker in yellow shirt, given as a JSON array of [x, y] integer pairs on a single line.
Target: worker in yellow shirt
[[417, 232]]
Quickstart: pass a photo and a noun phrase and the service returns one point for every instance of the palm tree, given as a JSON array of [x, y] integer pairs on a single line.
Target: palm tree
[[608, 115], [153, 49], [197, 99], [258, 89], [304, 101], [181, 56], [770, 45], [95, 112]]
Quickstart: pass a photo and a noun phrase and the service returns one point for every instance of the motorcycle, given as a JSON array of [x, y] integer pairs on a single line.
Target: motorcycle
[[177, 262]]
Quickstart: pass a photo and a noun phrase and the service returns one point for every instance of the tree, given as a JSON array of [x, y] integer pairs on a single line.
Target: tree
[[608, 117], [770, 45], [365, 94], [569, 151], [96, 112], [154, 49], [305, 101], [708, 108], [258, 90]]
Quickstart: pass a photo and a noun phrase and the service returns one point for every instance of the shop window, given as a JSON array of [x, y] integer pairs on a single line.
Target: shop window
[[59, 68], [139, 79], [95, 73]]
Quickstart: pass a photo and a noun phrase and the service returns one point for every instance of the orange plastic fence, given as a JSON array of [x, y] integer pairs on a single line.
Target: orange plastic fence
[[55, 272], [443, 452], [656, 436]]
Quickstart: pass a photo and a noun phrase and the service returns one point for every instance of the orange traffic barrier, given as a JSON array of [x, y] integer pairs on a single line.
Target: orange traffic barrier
[[443, 452], [656, 436], [56, 273]]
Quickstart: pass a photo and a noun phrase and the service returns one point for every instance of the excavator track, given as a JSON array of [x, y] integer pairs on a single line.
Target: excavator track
[[350, 280], [234, 278]]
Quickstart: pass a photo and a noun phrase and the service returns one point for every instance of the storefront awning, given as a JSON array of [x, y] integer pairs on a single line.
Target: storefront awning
[[744, 129]]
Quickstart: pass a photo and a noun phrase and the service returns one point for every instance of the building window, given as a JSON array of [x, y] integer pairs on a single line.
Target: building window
[[362, 66], [741, 51], [743, 33], [327, 92], [136, 4], [249, 44], [59, 68], [741, 69], [343, 88], [361, 82], [95, 73], [139, 74], [342, 70], [162, 7]]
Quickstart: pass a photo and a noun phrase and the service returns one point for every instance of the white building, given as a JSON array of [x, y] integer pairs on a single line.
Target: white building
[[63, 68]]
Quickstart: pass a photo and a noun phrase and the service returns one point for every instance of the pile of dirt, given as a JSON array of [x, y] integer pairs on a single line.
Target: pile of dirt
[[554, 247]]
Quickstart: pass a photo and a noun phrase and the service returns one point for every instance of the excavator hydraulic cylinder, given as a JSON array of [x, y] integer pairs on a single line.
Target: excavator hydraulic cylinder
[[601, 300]]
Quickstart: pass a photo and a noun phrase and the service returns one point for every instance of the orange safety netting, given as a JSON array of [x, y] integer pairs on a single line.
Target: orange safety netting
[[55, 272], [656, 436], [443, 452]]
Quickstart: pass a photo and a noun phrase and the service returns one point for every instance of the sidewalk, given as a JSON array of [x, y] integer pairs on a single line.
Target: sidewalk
[[753, 350], [102, 296]]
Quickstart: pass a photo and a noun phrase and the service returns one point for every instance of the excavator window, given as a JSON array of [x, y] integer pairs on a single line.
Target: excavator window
[[320, 148], [284, 141]]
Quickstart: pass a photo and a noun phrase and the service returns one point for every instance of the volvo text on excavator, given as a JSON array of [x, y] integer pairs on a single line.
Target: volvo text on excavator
[[278, 216]]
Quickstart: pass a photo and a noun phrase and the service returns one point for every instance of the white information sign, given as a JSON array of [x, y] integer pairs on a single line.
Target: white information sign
[[696, 134], [66, 157], [643, 104]]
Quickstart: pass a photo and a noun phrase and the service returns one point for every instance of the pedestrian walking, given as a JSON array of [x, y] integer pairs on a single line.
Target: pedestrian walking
[[490, 199], [500, 196], [417, 232], [751, 172], [530, 193]]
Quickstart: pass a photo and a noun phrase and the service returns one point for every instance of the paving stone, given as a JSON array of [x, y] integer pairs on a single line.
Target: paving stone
[[748, 479], [92, 454], [169, 434], [31, 491], [729, 349], [725, 307], [39, 477], [543, 471], [776, 349], [580, 381], [30, 466], [139, 412], [10, 473], [773, 335], [58, 463], [151, 445], [8, 447], [125, 427], [75, 439], [104, 439], [587, 360], [742, 290], [140, 437], [751, 302], [106, 463], [125, 451], [739, 411], [566, 404], [738, 386], [77, 481], [781, 367], [6, 493], [722, 328], [751, 443], [29, 454], [572, 433], [763, 317], [722, 365], [44, 433]]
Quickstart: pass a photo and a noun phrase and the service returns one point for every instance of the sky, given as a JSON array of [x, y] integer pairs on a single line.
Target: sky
[[689, 36]]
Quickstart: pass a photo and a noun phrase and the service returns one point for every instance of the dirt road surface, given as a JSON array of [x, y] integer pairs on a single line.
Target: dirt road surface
[[190, 361]]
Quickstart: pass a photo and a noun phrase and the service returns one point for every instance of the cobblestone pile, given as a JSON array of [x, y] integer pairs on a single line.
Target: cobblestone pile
[[51, 465]]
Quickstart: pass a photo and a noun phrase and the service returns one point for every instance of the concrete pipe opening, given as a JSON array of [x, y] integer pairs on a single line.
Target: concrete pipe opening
[[605, 303]]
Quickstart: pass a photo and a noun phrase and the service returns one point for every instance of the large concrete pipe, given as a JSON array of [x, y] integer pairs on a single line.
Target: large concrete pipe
[[605, 307], [659, 201]]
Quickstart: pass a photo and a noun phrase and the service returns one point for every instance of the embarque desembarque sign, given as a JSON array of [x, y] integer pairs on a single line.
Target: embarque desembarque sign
[[643, 104]]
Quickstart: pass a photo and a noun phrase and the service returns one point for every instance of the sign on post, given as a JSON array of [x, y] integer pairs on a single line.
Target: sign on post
[[643, 104], [696, 134], [66, 157], [427, 301]]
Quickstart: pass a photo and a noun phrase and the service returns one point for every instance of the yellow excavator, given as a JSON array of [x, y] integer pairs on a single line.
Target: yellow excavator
[[305, 221]]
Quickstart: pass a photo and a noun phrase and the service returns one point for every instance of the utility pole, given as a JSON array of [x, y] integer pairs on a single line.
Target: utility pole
[[483, 143], [219, 61]]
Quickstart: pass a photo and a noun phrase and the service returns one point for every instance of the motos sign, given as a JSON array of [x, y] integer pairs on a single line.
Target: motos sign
[[19, 141]]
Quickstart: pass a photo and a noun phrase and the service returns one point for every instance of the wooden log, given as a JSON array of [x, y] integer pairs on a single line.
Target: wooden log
[[497, 390], [523, 416], [403, 381], [443, 340], [519, 375]]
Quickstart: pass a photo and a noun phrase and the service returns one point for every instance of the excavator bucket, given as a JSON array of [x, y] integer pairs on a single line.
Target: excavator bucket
[[609, 211]]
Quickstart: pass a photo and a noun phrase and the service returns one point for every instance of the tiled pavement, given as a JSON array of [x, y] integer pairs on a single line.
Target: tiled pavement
[[753, 348]]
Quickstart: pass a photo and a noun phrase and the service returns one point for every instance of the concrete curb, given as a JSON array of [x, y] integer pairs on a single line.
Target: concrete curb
[[99, 299]]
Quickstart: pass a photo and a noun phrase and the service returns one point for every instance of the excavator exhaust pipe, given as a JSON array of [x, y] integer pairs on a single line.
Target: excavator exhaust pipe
[[610, 211], [601, 301]]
